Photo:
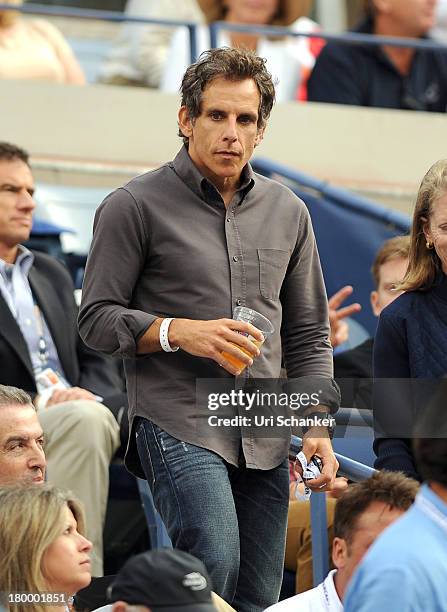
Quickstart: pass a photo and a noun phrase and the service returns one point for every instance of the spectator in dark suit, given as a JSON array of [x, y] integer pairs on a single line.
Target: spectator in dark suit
[[384, 76], [39, 344], [353, 368]]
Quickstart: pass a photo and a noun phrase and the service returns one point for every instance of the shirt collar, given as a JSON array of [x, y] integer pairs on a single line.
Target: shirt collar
[[328, 587], [185, 168], [332, 592], [24, 260]]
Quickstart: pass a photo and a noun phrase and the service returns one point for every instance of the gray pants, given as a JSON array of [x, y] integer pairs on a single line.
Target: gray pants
[[82, 437]]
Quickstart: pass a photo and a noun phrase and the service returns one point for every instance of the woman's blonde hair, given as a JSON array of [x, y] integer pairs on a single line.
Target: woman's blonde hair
[[424, 263], [7, 18], [31, 518]]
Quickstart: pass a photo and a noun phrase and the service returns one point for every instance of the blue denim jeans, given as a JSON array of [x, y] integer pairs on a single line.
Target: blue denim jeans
[[232, 518]]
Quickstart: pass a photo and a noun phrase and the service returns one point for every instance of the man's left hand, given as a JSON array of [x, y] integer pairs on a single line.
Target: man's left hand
[[317, 442]]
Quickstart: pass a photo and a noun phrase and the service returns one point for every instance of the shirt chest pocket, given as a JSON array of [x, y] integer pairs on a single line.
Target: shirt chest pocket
[[272, 269]]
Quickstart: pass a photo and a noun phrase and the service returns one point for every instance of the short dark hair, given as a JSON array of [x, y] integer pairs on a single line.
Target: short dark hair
[[393, 248], [11, 152], [233, 65], [391, 488], [430, 443], [11, 396]]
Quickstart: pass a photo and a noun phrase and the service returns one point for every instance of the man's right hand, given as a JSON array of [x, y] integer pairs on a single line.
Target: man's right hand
[[212, 338], [67, 395]]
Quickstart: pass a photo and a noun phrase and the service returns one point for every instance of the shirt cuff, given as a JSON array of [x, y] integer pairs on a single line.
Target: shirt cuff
[[320, 388], [131, 325]]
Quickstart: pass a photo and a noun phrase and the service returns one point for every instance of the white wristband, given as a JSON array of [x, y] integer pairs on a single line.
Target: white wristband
[[164, 330]]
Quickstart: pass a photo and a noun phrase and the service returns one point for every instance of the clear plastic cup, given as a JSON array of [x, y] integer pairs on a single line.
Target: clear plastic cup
[[242, 313]]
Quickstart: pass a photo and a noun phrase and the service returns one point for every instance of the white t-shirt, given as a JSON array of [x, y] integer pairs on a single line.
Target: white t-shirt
[[322, 598], [285, 57]]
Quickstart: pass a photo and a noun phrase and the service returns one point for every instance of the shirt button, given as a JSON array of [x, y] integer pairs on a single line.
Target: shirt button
[[235, 258], [228, 219], [238, 302]]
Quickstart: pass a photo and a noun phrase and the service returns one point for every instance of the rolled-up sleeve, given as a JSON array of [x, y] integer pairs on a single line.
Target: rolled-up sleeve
[[118, 252]]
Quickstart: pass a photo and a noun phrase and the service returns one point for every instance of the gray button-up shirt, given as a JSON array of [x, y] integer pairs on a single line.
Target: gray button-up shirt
[[166, 245]]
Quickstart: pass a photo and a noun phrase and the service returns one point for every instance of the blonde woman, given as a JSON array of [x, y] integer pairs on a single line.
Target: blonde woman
[[411, 338], [35, 49], [43, 548]]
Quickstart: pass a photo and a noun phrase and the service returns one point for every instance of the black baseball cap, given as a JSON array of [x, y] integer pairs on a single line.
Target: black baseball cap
[[164, 580]]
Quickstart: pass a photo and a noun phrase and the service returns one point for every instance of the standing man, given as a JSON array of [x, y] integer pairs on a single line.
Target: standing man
[[173, 253]]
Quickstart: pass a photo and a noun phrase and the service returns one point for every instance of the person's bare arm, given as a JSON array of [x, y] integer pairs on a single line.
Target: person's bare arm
[[72, 69]]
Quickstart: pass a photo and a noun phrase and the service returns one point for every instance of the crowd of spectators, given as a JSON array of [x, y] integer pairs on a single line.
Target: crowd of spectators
[[156, 56], [356, 74], [45, 549], [39, 338]]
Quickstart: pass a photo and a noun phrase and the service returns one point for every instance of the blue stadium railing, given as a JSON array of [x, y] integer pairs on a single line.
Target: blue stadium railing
[[349, 199], [117, 17], [347, 38]]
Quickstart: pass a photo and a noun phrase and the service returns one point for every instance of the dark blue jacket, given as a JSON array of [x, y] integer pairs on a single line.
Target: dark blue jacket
[[410, 343]]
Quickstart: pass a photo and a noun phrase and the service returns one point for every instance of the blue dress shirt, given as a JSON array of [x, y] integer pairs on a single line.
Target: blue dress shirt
[[16, 290]]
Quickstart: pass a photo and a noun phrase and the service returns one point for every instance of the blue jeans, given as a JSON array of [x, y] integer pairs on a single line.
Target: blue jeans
[[232, 518]]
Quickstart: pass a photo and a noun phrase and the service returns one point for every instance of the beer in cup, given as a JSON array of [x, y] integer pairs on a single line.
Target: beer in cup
[[242, 313]]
